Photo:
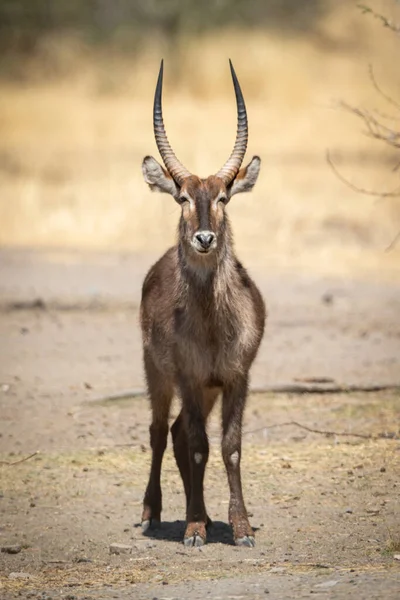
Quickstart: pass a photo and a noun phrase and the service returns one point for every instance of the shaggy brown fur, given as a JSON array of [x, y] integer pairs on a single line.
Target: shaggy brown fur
[[202, 321]]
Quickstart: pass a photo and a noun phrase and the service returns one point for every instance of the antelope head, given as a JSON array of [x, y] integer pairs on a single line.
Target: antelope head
[[203, 201]]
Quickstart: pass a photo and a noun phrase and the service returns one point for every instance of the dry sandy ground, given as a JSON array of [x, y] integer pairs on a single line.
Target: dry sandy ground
[[325, 507]]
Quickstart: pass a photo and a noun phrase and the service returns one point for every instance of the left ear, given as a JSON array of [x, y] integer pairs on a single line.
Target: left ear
[[246, 178]]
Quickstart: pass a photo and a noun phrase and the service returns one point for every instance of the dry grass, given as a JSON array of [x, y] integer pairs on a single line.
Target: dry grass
[[71, 151], [267, 478], [298, 488]]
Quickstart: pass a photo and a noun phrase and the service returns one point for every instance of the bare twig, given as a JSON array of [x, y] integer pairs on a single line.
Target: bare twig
[[379, 89], [365, 436], [17, 462], [393, 242], [375, 129], [384, 20], [396, 167], [392, 194]]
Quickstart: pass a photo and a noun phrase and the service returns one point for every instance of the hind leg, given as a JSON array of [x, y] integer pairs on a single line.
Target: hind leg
[[160, 392], [180, 442]]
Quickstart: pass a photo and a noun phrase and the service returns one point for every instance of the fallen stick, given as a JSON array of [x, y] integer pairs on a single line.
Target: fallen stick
[[285, 388], [365, 436], [20, 460]]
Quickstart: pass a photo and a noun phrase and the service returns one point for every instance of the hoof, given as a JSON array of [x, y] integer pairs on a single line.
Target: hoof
[[247, 541], [149, 524], [195, 541]]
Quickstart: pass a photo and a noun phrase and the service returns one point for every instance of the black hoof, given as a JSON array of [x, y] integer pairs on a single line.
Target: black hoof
[[149, 524], [247, 541], [195, 541]]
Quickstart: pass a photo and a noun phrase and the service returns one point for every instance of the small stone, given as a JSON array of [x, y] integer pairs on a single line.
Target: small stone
[[383, 469], [120, 549], [349, 511], [83, 559], [266, 591], [20, 575], [396, 556], [13, 549]]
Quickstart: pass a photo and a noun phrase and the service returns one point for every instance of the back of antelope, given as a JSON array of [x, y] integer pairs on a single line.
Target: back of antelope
[[202, 321]]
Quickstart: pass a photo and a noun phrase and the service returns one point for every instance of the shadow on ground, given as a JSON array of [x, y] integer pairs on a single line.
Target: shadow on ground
[[173, 531]]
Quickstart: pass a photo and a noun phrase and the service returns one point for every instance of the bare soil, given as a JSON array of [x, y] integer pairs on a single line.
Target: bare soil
[[325, 507]]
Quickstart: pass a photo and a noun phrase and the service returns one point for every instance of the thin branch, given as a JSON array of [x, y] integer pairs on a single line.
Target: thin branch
[[364, 436], [379, 89], [393, 194], [384, 20], [386, 116], [393, 242], [21, 460], [396, 167], [375, 129]]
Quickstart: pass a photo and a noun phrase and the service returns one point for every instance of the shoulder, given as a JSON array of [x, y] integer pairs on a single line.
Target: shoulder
[[161, 272], [249, 285]]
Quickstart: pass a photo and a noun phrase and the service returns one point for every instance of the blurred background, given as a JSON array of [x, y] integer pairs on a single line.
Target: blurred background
[[76, 90]]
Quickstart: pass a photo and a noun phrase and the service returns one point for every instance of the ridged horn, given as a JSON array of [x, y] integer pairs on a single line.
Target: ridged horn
[[232, 165], [174, 167]]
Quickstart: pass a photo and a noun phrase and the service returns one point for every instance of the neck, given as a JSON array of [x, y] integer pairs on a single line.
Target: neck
[[207, 279]]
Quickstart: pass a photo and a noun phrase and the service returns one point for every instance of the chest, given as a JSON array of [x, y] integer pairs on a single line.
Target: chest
[[214, 339]]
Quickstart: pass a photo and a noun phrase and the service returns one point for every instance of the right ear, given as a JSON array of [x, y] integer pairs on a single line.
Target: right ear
[[158, 178]]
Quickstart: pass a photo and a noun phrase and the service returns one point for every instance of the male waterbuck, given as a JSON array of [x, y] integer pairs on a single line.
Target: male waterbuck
[[202, 321]]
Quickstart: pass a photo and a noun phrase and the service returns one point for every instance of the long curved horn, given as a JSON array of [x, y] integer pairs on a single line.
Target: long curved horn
[[232, 165], [174, 167]]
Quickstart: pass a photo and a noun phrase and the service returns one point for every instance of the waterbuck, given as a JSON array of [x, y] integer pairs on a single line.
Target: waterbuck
[[202, 320]]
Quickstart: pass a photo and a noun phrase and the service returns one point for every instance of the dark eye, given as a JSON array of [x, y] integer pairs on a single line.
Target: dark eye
[[223, 199], [183, 199]]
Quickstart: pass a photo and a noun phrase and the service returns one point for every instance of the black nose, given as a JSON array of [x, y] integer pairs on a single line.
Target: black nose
[[205, 238]]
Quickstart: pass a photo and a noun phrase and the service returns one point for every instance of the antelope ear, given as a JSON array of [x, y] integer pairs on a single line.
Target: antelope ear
[[158, 178], [246, 178]]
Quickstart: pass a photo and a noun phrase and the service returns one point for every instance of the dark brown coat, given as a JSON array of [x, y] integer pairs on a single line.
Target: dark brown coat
[[202, 320]]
